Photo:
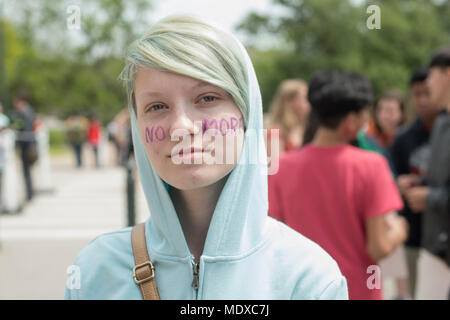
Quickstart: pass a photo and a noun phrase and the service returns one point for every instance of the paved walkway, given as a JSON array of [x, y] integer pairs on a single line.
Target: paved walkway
[[40, 243]]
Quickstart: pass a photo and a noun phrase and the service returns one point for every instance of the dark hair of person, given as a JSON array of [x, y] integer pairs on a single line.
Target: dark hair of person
[[334, 94], [441, 58], [311, 128], [418, 76]]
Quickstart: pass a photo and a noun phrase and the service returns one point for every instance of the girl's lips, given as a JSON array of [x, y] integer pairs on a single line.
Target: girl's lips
[[190, 152]]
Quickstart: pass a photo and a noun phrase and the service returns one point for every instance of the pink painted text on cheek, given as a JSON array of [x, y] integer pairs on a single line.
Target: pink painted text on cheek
[[158, 133], [155, 133], [223, 125]]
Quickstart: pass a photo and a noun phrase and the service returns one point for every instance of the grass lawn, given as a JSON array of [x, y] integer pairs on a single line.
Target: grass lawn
[[59, 150]]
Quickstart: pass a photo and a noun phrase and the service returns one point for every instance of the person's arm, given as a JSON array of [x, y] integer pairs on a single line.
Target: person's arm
[[384, 233], [407, 181], [438, 200], [385, 229], [435, 199]]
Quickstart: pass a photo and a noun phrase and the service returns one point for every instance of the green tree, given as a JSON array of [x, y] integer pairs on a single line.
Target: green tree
[[66, 70], [333, 34]]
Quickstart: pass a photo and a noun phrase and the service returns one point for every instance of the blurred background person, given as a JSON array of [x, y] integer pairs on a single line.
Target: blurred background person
[[430, 195], [24, 121], [122, 136], [76, 128], [289, 113], [410, 153], [377, 135], [112, 130], [341, 197], [94, 136], [4, 120], [388, 116], [4, 123]]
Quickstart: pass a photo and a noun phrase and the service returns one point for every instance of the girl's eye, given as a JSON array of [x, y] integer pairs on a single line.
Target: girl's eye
[[208, 99], [155, 107]]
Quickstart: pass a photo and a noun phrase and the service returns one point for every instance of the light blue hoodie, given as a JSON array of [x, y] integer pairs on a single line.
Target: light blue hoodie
[[247, 254]]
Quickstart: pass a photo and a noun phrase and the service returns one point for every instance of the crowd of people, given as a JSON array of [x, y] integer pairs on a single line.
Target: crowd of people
[[363, 177], [81, 130], [25, 124]]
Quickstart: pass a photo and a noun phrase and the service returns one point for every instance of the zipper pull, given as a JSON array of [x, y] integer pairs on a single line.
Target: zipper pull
[[195, 278]]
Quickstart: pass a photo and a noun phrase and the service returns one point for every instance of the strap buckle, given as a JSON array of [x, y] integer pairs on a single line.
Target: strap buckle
[[152, 272]]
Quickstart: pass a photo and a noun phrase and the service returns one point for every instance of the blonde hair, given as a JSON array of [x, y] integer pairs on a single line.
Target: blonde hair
[[283, 117], [189, 46]]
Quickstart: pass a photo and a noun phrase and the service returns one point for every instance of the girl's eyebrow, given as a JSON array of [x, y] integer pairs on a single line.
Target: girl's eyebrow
[[157, 93], [150, 93], [202, 84]]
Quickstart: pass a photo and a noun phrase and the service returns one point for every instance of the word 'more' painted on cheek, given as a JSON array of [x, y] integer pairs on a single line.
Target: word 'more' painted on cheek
[[223, 125], [158, 133]]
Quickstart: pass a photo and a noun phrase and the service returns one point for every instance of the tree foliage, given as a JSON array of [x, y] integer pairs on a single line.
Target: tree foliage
[[333, 34], [77, 70], [71, 70]]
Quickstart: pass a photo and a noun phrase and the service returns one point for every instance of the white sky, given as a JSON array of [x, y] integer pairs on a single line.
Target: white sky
[[225, 13]]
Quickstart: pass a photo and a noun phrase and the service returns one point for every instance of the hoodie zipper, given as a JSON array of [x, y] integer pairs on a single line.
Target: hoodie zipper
[[195, 276]]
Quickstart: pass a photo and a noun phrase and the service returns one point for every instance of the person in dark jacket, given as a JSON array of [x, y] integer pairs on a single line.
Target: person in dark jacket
[[410, 153], [24, 120], [431, 195]]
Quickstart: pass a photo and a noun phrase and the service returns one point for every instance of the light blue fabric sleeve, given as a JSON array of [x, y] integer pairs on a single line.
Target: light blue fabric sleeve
[[335, 290]]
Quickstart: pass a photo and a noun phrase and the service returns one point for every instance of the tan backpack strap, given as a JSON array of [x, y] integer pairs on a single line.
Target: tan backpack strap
[[143, 271]]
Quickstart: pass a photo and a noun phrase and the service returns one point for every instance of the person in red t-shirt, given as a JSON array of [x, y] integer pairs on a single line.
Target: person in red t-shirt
[[343, 198], [94, 135]]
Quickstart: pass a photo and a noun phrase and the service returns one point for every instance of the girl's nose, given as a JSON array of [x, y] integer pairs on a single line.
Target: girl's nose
[[183, 124]]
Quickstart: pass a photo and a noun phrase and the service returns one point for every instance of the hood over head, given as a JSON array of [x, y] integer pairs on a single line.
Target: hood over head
[[239, 219]]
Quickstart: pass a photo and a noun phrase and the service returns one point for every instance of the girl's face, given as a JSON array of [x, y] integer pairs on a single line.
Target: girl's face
[[300, 104], [389, 115], [195, 113]]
